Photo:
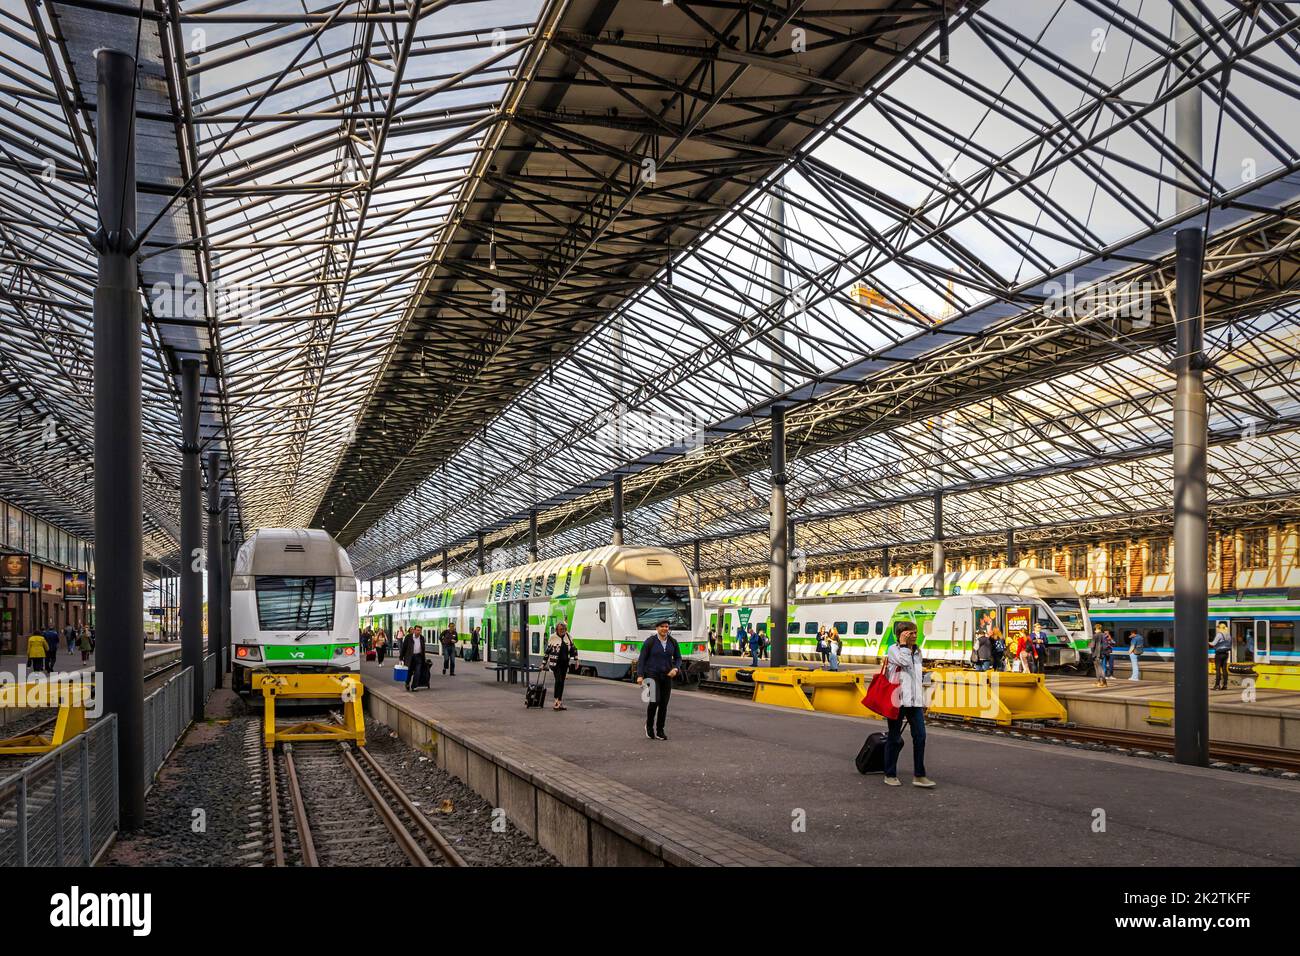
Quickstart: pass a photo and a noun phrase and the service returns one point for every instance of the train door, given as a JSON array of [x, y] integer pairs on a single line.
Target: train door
[[1263, 644], [1243, 642]]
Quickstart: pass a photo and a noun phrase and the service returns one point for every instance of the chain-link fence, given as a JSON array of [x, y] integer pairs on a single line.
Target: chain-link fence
[[61, 809]]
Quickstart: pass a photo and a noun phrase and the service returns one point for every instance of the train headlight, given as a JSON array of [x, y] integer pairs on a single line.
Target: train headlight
[[248, 652], [346, 651]]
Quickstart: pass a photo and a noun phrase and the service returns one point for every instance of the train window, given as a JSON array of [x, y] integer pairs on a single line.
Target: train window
[[537, 585], [810, 627], [550, 585], [1155, 637], [537, 643], [602, 610], [517, 591], [528, 587], [586, 575], [861, 628], [658, 603], [880, 628], [841, 627]]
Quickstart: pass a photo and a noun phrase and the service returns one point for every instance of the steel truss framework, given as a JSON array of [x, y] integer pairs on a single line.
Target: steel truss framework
[[459, 260], [1041, 171]]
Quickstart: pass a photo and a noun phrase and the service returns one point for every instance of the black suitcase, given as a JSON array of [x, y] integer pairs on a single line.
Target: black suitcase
[[871, 758], [425, 671], [535, 693]]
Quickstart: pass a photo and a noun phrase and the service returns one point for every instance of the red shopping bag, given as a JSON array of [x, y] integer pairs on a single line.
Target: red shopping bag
[[882, 695]]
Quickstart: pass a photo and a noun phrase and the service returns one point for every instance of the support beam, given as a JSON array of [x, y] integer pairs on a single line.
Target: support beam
[[938, 562], [191, 534], [617, 506], [119, 504], [444, 565], [419, 576], [777, 572], [482, 558], [1191, 591], [1012, 557], [228, 549], [884, 562], [532, 535], [695, 560], [215, 563]]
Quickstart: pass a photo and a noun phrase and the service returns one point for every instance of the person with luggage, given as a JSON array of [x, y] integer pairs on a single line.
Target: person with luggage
[[560, 653], [448, 639], [413, 657], [904, 668], [379, 646], [1222, 646], [660, 661], [1097, 647], [1135, 648], [473, 644]]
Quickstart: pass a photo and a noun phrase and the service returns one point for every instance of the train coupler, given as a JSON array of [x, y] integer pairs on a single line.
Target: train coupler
[[347, 688]]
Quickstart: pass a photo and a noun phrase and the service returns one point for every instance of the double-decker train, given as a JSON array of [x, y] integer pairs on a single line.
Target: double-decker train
[[293, 605], [610, 598], [866, 612]]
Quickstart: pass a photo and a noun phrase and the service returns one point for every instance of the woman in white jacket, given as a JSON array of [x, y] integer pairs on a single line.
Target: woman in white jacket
[[905, 669]]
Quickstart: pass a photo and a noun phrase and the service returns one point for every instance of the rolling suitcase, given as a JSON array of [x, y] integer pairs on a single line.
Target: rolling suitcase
[[535, 693], [871, 758], [425, 671], [370, 655]]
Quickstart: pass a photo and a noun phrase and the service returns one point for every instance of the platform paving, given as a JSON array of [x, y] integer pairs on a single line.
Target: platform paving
[[760, 772]]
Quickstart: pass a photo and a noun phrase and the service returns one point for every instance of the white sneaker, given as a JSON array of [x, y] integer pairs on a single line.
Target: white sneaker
[[923, 782], [891, 782]]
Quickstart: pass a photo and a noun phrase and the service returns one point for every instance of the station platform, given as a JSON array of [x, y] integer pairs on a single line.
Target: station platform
[[740, 783]]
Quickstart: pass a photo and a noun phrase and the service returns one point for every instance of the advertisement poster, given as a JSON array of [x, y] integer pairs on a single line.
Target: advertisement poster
[[15, 572], [1020, 622], [75, 585]]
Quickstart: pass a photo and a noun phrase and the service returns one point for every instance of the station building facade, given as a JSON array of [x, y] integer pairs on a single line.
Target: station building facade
[[46, 577]]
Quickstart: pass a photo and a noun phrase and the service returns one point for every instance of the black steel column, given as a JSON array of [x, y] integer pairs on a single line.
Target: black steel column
[[191, 534], [532, 535], [884, 561], [444, 565], [778, 569], [482, 563], [419, 576], [119, 504], [617, 506], [726, 578], [938, 543], [1191, 598], [227, 566], [695, 561], [214, 557], [1011, 548]]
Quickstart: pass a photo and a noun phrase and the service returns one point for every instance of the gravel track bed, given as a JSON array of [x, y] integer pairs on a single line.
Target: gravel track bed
[[460, 814]]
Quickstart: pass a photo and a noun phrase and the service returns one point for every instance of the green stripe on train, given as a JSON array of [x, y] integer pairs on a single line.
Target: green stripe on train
[[300, 652]]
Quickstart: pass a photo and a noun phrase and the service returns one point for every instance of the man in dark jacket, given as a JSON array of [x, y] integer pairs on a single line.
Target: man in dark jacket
[[660, 661], [473, 644], [413, 657], [448, 638]]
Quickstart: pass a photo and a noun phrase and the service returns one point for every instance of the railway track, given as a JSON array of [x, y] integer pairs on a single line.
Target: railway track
[[332, 804]]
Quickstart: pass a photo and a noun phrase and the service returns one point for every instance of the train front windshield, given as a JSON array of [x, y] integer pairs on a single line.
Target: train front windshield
[[295, 603], [1069, 612], [655, 603]]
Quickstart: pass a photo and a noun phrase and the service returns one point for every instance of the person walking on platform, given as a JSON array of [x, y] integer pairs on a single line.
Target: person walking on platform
[[1025, 653], [905, 668], [982, 653], [1222, 645], [1110, 654], [1135, 648], [559, 654], [755, 646], [660, 661], [36, 653], [742, 640], [713, 642], [1097, 647], [821, 644], [84, 644], [413, 657], [70, 635], [448, 639], [51, 647], [473, 644], [379, 644]]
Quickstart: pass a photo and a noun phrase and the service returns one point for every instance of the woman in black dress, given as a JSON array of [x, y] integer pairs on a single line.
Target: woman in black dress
[[559, 653]]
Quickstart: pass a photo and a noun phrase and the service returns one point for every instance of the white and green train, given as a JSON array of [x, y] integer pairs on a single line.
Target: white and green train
[[610, 598], [293, 605], [867, 611]]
